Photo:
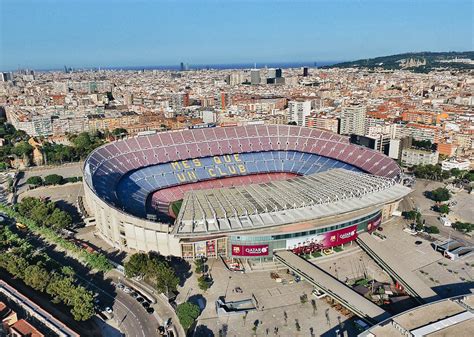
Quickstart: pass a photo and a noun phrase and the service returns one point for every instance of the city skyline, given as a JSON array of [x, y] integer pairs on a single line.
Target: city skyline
[[51, 34]]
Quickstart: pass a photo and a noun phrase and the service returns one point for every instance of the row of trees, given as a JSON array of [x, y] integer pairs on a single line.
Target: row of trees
[[419, 223], [434, 172], [93, 260], [464, 227], [204, 280], [154, 269], [40, 272], [44, 213], [82, 144], [52, 179]]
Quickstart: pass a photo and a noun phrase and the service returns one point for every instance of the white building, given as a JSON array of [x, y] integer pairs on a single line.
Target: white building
[[413, 157], [209, 116], [353, 120], [448, 165], [298, 111]]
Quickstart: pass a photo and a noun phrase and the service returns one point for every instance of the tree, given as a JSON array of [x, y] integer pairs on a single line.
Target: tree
[[3, 166], [82, 304], [422, 144], [455, 172], [439, 194], [85, 142], [35, 180], [166, 279], [27, 205], [443, 209], [200, 266], [432, 230], [410, 215], [59, 219], [53, 179], [119, 132], [204, 283], [36, 277], [433, 172], [22, 149], [187, 313], [469, 176], [136, 265]]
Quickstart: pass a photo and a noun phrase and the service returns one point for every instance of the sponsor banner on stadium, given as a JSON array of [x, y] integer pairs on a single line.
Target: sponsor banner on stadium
[[211, 247], [200, 248], [373, 224], [326, 240], [253, 250]]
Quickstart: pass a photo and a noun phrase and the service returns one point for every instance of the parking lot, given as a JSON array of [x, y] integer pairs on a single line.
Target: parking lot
[[444, 276]]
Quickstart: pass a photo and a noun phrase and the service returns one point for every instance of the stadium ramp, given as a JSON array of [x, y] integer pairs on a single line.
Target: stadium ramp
[[412, 284], [334, 288]]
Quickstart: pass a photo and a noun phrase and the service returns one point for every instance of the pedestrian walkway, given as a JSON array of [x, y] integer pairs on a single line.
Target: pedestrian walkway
[[334, 288], [412, 284]]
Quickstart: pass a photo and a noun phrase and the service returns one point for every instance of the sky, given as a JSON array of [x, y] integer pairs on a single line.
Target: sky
[[48, 34]]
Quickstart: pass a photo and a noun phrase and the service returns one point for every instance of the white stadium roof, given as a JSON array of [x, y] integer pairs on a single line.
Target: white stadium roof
[[283, 202]]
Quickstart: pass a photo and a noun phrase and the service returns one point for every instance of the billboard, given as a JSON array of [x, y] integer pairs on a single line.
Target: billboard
[[252, 250], [323, 241], [373, 224]]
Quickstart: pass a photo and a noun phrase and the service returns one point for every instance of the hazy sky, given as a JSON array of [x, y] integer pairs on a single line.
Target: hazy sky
[[53, 33]]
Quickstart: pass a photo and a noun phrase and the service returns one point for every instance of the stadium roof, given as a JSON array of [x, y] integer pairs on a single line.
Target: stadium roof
[[282, 202]]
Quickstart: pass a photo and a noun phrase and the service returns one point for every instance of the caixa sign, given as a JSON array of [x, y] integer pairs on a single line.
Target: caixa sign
[[253, 250]]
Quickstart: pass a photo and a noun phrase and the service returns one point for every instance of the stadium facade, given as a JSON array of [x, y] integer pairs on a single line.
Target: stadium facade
[[243, 191]]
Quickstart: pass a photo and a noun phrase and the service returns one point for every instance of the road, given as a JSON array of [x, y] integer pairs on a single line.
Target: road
[[130, 316]]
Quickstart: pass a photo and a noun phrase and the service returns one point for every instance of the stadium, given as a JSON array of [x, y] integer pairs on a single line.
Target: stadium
[[238, 191]]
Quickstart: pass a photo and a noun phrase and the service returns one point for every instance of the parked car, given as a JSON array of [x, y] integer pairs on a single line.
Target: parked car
[[140, 299]]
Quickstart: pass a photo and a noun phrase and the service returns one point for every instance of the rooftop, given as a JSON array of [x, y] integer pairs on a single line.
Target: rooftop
[[449, 317], [283, 202]]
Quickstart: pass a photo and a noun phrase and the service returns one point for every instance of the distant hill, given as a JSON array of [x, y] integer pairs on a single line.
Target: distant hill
[[422, 62]]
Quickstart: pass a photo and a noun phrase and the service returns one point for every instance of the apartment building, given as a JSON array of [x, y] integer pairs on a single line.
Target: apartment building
[[414, 157], [298, 111], [353, 120]]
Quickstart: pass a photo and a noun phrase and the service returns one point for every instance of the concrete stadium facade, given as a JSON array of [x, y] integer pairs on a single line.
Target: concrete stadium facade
[[139, 218]]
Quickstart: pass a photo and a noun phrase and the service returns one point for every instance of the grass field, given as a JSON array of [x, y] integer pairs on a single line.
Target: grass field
[[176, 206]]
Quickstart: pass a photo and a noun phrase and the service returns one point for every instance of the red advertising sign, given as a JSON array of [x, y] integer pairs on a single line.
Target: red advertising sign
[[253, 250], [308, 244], [373, 224], [211, 247]]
